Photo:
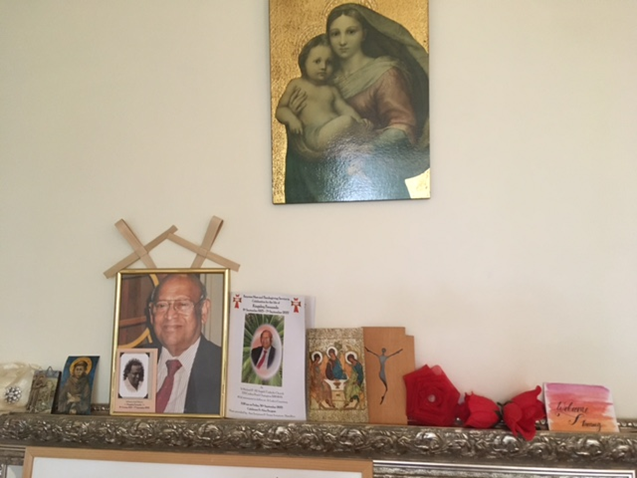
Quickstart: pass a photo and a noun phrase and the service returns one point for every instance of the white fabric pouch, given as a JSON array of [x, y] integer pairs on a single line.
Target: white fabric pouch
[[15, 386]]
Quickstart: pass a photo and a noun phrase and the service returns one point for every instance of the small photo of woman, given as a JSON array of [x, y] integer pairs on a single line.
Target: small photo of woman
[[133, 382]]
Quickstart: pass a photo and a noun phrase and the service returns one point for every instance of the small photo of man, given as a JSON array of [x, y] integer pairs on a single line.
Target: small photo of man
[[264, 354]]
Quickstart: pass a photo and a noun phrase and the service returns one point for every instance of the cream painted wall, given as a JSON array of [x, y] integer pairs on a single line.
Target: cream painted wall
[[521, 268]]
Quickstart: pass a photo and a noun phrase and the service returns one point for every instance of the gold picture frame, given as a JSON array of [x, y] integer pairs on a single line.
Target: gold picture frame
[[169, 342], [40, 462], [357, 129]]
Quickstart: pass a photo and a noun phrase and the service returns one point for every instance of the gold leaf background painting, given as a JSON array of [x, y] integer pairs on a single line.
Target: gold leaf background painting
[[292, 24]]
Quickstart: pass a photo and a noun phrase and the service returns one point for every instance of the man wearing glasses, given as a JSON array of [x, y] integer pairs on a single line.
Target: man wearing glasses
[[189, 365]]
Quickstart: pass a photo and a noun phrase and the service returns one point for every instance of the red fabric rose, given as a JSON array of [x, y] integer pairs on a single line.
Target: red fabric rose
[[431, 397], [479, 412], [521, 413]]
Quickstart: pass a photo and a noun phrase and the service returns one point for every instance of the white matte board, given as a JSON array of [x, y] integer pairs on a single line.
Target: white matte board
[[74, 463]]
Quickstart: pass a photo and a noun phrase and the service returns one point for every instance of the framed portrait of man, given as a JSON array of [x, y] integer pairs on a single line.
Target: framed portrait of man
[[350, 100], [170, 340]]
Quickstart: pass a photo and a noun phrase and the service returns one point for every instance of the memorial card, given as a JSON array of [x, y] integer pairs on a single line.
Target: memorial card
[[266, 356]]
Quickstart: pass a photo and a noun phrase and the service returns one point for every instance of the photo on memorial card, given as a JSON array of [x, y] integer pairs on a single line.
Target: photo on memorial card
[[182, 316], [263, 350], [43, 388], [349, 100], [76, 386]]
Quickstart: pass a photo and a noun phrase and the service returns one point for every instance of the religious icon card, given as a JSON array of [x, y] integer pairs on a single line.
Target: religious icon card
[[337, 390], [350, 100], [43, 388], [75, 390], [389, 354]]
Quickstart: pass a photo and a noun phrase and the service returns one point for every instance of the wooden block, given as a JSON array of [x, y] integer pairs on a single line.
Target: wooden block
[[389, 356]]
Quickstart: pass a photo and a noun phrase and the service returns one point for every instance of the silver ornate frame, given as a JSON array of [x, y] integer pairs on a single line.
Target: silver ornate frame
[[397, 451], [384, 469]]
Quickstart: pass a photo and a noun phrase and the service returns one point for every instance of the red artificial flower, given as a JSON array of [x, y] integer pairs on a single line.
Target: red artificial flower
[[521, 413], [479, 412], [431, 397]]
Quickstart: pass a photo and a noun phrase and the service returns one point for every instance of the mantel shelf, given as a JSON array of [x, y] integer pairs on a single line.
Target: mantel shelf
[[378, 442]]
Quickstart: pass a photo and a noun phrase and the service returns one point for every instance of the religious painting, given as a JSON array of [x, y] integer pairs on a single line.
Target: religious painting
[[76, 387], [337, 390], [389, 355], [350, 100], [43, 387], [169, 346]]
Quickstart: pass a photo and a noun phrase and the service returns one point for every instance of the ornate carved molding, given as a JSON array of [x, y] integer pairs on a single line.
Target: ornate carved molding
[[385, 469], [336, 439]]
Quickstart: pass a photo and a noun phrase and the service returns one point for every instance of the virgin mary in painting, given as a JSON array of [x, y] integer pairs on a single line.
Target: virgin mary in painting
[[380, 71]]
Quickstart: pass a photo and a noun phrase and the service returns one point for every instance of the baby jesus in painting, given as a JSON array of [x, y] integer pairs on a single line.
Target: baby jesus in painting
[[324, 116]]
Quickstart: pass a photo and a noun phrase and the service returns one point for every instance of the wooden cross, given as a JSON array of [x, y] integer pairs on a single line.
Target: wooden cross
[[141, 251]]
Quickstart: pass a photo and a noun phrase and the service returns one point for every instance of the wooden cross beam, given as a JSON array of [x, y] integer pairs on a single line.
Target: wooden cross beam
[[202, 252], [211, 234], [135, 256], [141, 251]]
